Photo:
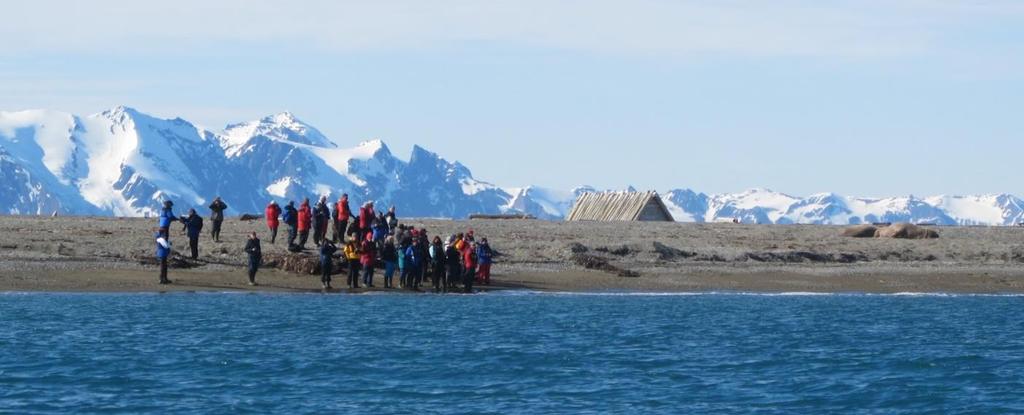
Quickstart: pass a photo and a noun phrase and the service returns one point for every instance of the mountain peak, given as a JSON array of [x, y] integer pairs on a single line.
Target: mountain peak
[[121, 113], [122, 109], [283, 117], [374, 144], [283, 126]]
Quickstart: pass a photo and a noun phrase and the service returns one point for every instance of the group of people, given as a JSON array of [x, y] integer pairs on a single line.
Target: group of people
[[375, 240], [323, 217], [414, 257], [371, 241]]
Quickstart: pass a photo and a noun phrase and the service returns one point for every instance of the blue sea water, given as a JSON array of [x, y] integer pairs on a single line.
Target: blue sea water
[[513, 353]]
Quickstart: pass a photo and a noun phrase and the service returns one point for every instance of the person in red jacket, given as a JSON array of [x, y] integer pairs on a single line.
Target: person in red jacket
[[469, 262], [342, 212], [368, 258], [366, 217], [305, 216], [272, 213]]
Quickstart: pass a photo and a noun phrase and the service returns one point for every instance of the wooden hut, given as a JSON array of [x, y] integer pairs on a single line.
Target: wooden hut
[[619, 206]]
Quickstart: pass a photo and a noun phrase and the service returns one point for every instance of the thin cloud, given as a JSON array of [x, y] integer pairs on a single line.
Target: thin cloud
[[785, 28]]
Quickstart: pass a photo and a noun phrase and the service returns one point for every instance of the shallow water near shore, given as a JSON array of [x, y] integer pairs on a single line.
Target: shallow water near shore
[[511, 352]]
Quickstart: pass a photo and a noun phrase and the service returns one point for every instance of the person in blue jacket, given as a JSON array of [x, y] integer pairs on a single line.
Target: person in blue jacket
[[483, 255], [167, 217], [291, 218], [163, 250], [413, 262], [193, 226]]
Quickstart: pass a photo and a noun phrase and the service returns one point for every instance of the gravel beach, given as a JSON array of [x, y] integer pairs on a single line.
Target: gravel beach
[[116, 254]]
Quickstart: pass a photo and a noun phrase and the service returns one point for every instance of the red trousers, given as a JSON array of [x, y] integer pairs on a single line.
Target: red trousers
[[484, 274]]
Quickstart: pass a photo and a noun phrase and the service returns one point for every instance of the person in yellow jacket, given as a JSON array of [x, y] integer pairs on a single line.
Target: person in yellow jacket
[[459, 242], [351, 252]]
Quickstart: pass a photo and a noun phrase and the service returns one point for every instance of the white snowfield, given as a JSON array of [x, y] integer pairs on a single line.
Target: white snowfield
[[124, 162]]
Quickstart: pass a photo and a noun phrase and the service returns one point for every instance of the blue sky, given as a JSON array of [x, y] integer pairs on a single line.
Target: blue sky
[[871, 98]]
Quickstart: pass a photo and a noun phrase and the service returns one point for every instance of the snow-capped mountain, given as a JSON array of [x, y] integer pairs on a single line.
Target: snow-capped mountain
[[124, 162], [766, 207], [544, 203]]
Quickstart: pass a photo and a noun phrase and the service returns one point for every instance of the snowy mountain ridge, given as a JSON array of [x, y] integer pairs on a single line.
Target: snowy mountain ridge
[[124, 162]]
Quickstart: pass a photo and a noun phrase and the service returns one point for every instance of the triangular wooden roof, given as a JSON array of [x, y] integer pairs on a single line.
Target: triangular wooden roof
[[618, 206]]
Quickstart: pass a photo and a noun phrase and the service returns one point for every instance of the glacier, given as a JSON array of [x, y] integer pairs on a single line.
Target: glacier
[[123, 162]]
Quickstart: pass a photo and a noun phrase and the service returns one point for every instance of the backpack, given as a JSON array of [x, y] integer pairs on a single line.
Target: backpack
[[287, 217]]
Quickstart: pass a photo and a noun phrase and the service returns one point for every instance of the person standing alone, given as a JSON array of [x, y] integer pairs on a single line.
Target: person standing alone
[[252, 247], [193, 227], [272, 212], [217, 209]]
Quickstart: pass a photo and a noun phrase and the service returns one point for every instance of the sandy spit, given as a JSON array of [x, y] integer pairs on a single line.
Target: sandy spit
[[112, 255]]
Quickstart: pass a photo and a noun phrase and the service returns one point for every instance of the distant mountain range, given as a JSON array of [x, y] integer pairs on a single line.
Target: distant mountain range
[[124, 162]]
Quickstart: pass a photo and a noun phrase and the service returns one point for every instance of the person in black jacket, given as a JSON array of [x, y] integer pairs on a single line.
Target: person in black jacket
[[193, 227], [453, 258], [291, 218], [321, 218], [327, 250], [252, 247], [437, 265], [217, 209], [425, 254]]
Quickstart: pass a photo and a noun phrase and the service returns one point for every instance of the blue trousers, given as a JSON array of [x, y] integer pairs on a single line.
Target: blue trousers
[[368, 275], [389, 274]]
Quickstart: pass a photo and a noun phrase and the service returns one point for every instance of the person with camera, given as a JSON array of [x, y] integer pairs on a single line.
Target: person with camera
[[252, 247], [193, 226], [217, 209]]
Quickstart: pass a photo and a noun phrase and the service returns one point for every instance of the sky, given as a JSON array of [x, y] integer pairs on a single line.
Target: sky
[[866, 98]]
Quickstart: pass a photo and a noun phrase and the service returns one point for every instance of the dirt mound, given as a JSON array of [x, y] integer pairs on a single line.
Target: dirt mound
[[789, 257], [668, 253], [299, 263], [906, 231], [861, 231], [617, 251], [576, 248], [601, 264]]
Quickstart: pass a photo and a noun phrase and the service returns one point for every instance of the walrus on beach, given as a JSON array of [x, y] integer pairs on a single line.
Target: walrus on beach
[[906, 231], [898, 231]]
